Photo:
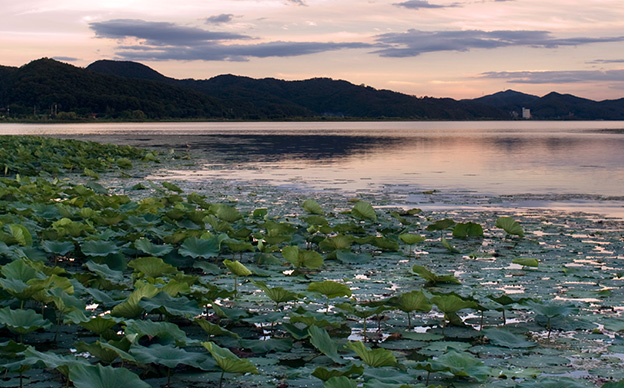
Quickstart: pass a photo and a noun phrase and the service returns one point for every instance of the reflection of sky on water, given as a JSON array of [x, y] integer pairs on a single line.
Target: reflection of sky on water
[[466, 158]]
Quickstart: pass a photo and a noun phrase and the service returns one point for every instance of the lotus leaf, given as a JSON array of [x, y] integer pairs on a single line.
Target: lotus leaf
[[302, 258], [105, 272], [99, 325], [277, 294], [237, 268], [464, 365], [153, 267], [55, 361], [348, 371], [340, 382], [98, 376], [507, 339], [526, 262], [312, 207], [441, 225], [22, 321], [166, 332], [411, 301], [375, 358], [228, 361], [324, 343], [554, 382], [172, 187], [166, 304], [330, 289], [510, 226], [146, 246], [448, 245], [212, 329], [99, 248], [21, 269], [411, 239], [433, 279], [468, 229], [20, 234], [269, 345], [225, 212], [166, 355], [205, 248], [364, 211]]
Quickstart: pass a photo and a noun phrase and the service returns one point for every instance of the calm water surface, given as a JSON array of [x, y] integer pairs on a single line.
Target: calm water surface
[[574, 165]]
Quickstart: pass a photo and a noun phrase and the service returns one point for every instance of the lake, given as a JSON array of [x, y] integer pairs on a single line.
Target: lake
[[573, 166]]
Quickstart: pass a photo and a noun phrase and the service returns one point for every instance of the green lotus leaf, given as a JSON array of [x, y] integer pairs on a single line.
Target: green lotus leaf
[[21, 269], [441, 225], [90, 173], [225, 212], [164, 303], [99, 248], [172, 187], [526, 262], [364, 211], [196, 247], [353, 258], [105, 272], [411, 238], [22, 321], [555, 382], [99, 325], [312, 207], [448, 245], [152, 266], [324, 343], [98, 351], [330, 289], [411, 301], [120, 348], [55, 361], [166, 332], [385, 243], [507, 339], [340, 382], [451, 303], [348, 371], [146, 246], [510, 226], [237, 268], [553, 309], [21, 235], [58, 247], [264, 346], [228, 361], [277, 294], [614, 384], [464, 365], [302, 258], [374, 358], [213, 329], [239, 246], [98, 376], [167, 355], [433, 279], [468, 229], [338, 242]]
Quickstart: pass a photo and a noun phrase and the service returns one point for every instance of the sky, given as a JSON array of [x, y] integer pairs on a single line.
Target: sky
[[439, 48]]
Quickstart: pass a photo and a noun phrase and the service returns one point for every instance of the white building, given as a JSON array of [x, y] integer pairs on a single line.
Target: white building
[[526, 113]]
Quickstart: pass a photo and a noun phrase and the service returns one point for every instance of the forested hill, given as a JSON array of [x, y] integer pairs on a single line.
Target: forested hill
[[48, 89], [127, 90]]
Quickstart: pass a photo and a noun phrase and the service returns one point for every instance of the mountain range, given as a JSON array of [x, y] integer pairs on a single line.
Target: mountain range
[[119, 90]]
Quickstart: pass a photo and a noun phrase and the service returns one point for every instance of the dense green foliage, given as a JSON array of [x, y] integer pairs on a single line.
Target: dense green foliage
[[140, 285], [35, 155]]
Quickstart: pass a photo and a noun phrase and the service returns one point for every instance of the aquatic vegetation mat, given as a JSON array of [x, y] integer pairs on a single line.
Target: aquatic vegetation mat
[[162, 286]]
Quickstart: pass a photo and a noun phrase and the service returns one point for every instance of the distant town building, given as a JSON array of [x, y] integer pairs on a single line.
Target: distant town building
[[526, 113]]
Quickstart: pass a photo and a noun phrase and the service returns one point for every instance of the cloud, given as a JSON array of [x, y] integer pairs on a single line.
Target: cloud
[[220, 19], [65, 59], [159, 33], [415, 42], [167, 41], [418, 4], [556, 77], [603, 61], [231, 52], [298, 2]]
